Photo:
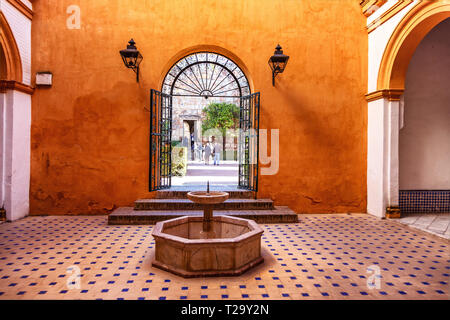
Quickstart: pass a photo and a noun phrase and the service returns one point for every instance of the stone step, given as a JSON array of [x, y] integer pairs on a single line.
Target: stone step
[[129, 216], [186, 204], [182, 194]]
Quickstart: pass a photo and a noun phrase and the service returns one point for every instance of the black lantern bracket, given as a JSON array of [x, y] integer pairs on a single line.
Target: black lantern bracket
[[132, 57], [278, 62]]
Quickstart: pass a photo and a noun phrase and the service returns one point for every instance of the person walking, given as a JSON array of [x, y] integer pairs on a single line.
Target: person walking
[[192, 147], [217, 151], [198, 150], [207, 153]]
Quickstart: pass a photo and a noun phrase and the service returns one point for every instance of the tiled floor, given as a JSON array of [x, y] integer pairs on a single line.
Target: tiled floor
[[321, 257], [438, 224]]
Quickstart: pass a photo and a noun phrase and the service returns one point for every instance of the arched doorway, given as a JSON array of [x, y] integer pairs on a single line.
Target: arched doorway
[[15, 123], [424, 142], [384, 108], [210, 124]]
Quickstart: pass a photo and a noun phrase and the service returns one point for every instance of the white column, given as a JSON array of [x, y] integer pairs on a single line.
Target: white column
[[16, 123], [2, 150], [382, 156], [376, 144], [392, 166]]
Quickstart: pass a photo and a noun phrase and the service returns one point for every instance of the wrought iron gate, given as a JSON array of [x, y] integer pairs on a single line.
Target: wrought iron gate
[[160, 141], [249, 142]]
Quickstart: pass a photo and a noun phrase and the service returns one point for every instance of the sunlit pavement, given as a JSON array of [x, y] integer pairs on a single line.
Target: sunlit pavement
[[225, 175], [434, 223]]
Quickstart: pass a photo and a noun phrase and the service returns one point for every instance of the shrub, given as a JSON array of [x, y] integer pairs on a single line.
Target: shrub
[[179, 161]]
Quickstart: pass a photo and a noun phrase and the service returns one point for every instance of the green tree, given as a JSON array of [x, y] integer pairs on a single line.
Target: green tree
[[221, 116]]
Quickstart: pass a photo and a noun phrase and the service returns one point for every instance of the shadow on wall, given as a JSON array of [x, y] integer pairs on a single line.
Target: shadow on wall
[[308, 117]]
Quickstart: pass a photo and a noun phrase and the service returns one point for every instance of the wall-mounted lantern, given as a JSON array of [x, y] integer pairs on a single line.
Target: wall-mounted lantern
[[277, 63], [132, 57]]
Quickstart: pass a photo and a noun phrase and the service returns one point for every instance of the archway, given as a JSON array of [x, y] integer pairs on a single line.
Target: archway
[[15, 124], [385, 105], [10, 73], [204, 123], [205, 85], [404, 41], [424, 148]]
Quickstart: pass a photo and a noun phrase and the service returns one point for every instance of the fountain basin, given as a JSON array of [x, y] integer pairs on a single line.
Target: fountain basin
[[180, 246], [204, 197]]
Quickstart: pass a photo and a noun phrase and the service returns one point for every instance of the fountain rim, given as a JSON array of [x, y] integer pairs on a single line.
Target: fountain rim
[[255, 230], [208, 199], [210, 193]]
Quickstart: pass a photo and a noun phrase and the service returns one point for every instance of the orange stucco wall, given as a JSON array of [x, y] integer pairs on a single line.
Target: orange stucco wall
[[90, 132]]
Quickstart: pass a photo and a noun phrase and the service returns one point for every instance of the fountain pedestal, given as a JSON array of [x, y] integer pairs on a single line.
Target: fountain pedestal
[[208, 231], [208, 200]]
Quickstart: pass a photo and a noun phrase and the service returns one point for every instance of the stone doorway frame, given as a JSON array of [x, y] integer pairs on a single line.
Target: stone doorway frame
[[197, 130]]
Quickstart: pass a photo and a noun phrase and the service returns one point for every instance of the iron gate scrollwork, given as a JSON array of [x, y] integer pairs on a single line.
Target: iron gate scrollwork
[[160, 141], [249, 142]]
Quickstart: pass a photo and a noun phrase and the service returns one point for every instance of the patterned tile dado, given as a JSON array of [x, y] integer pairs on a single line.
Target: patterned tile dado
[[321, 257], [424, 201]]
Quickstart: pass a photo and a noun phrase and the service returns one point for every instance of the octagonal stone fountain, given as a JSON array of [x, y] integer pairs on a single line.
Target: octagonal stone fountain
[[196, 246]]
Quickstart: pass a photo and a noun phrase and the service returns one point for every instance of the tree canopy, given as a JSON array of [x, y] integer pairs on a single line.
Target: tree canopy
[[220, 116]]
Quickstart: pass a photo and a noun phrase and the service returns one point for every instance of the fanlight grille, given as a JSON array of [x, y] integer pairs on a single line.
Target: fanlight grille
[[206, 74]]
